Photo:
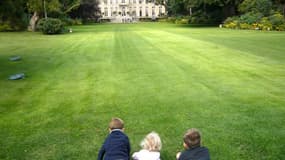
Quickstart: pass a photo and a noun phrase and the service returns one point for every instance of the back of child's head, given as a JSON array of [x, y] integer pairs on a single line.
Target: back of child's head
[[151, 142], [192, 138], [116, 123]]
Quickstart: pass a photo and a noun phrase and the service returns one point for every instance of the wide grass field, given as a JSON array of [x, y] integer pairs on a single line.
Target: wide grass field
[[230, 84]]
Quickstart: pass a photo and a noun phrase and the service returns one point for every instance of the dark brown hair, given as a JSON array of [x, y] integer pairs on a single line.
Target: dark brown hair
[[192, 138], [116, 123]]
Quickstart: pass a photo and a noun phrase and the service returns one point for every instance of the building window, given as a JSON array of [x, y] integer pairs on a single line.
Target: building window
[[106, 11], [140, 11], [140, 1], [146, 11], [123, 11], [160, 11], [153, 11]]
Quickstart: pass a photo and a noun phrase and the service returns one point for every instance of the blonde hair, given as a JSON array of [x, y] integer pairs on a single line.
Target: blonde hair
[[151, 142], [116, 123]]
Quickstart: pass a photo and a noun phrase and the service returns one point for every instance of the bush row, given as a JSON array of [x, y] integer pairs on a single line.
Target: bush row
[[256, 21], [194, 19]]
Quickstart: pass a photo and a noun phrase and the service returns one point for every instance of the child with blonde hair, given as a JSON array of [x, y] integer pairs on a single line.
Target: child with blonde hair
[[151, 146]]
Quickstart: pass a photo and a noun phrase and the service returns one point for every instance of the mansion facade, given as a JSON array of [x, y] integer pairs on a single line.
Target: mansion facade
[[130, 10]]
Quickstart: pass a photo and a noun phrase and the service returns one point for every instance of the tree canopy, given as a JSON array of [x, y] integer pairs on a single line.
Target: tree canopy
[[15, 15]]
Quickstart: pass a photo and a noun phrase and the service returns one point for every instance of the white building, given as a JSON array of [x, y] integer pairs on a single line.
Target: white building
[[130, 10]]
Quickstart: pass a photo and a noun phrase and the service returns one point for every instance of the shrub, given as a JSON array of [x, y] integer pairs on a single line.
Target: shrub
[[250, 18], [105, 20], [277, 21], [280, 27], [40, 24], [171, 19], [255, 21], [232, 22], [50, 26], [181, 21], [5, 27], [69, 21], [244, 26], [162, 19], [230, 19], [145, 19], [265, 24]]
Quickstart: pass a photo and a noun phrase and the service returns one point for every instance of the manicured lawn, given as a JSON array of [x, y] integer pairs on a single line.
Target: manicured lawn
[[157, 77]]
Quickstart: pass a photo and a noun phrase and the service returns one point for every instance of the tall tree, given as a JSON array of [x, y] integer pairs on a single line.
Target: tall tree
[[176, 7], [88, 10], [69, 5], [257, 6], [12, 13], [37, 7], [227, 6], [281, 5]]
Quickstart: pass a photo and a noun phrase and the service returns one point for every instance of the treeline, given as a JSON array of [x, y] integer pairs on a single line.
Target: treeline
[[244, 14], [19, 14]]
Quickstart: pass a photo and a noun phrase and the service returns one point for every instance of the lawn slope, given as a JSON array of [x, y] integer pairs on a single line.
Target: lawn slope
[[156, 77]]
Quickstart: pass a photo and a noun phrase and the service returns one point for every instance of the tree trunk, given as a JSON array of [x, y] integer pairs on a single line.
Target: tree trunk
[[45, 10], [33, 22]]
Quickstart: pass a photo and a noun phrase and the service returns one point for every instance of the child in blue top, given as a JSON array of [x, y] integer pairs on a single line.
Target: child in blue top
[[116, 145], [193, 149]]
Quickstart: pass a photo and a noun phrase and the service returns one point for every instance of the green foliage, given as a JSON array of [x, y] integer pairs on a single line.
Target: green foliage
[[244, 26], [37, 5], [162, 19], [12, 15], [255, 21], [171, 19], [88, 11], [280, 27], [5, 27], [265, 24], [50, 26], [40, 24], [145, 19], [70, 21], [182, 21], [231, 22], [250, 17], [277, 19], [203, 19], [257, 6], [176, 7]]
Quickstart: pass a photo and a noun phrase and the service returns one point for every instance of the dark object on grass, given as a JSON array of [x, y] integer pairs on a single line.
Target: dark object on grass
[[17, 76], [15, 58]]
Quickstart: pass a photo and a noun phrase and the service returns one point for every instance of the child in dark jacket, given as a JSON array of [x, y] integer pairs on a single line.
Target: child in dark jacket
[[116, 145], [193, 149]]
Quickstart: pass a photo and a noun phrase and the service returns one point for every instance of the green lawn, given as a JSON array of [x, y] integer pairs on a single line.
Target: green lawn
[[157, 77]]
